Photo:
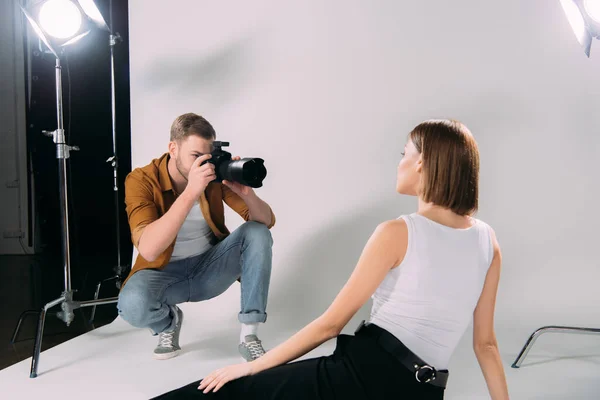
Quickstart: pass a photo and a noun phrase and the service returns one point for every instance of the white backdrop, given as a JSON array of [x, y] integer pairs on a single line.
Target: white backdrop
[[326, 93]]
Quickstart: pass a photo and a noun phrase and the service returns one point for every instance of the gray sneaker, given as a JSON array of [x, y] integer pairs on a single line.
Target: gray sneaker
[[168, 341], [252, 348]]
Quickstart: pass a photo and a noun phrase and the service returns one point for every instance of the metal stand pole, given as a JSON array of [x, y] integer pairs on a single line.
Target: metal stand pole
[[62, 154], [115, 38], [545, 329]]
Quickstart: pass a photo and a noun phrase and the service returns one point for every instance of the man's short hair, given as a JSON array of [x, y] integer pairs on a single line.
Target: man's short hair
[[191, 124]]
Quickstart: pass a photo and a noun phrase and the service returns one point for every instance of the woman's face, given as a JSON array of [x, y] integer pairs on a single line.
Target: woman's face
[[409, 170]]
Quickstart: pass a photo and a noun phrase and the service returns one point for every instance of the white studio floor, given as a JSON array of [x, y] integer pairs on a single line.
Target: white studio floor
[[115, 362]]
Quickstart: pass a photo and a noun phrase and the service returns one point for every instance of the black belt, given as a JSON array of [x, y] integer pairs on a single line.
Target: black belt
[[424, 373]]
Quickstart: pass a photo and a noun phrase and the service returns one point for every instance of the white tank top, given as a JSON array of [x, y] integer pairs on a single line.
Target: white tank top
[[428, 300]]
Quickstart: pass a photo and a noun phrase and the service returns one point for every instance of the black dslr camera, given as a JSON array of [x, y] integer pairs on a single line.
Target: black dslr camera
[[247, 171]]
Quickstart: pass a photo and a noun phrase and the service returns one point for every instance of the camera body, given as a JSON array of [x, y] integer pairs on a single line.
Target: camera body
[[247, 171], [219, 156]]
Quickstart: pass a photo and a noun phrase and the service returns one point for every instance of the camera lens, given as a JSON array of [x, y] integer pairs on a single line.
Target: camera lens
[[247, 171]]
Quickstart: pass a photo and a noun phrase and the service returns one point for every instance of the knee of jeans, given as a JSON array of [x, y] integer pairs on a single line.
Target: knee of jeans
[[133, 306], [257, 232]]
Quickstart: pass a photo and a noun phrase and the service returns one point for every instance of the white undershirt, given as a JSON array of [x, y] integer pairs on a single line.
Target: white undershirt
[[428, 300], [194, 237]]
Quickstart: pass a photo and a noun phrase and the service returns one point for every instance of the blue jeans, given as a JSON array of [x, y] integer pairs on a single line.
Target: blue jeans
[[149, 295]]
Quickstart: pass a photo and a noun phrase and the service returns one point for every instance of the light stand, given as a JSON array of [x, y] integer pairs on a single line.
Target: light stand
[[68, 305], [584, 18], [114, 39]]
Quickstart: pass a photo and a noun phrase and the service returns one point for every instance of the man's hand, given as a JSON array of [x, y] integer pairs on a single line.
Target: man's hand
[[237, 188], [200, 176], [216, 379]]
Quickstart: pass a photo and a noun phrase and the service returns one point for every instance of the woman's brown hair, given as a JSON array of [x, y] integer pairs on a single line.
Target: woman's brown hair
[[450, 165]]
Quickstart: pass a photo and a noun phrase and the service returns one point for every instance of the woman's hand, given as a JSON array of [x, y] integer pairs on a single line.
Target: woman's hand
[[216, 379]]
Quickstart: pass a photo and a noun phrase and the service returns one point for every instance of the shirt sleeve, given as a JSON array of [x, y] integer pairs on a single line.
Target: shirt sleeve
[[139, 205], [238, 205]]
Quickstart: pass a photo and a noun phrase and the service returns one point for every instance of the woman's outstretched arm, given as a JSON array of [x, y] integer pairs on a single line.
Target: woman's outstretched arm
[[485, 344], [384, 250]]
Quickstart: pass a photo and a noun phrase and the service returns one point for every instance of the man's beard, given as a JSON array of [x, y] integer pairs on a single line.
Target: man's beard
[[179, 167]]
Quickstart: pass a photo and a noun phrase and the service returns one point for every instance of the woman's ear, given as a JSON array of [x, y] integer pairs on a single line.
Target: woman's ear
[[420, 164]]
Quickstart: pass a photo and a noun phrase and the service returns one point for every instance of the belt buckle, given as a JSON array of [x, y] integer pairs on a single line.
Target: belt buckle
[[428, 370]]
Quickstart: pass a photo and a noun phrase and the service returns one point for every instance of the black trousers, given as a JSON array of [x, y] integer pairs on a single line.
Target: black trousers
[[358, 369]]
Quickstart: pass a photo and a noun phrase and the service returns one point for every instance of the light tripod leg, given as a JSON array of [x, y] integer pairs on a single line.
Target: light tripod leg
[[39, 334], [96, 294], [545, 329], [13, 339], [95, 302], [90, 303]]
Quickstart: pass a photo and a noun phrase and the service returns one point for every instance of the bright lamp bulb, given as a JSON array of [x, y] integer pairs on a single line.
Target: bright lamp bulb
[[574, 15], [592, 7], [60, 18]]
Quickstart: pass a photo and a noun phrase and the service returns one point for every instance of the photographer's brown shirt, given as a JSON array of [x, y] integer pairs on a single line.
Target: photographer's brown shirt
[[149, 194]]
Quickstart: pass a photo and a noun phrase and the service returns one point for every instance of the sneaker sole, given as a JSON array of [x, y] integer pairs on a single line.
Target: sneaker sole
[[245, 360], [166, 356]]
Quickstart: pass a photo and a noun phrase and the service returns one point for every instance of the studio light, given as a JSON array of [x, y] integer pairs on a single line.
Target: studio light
[[60, 18], [60, 23], [584, 18], [592, 7]]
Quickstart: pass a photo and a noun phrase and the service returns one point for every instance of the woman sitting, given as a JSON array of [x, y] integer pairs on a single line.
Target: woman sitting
[[428, 273]]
